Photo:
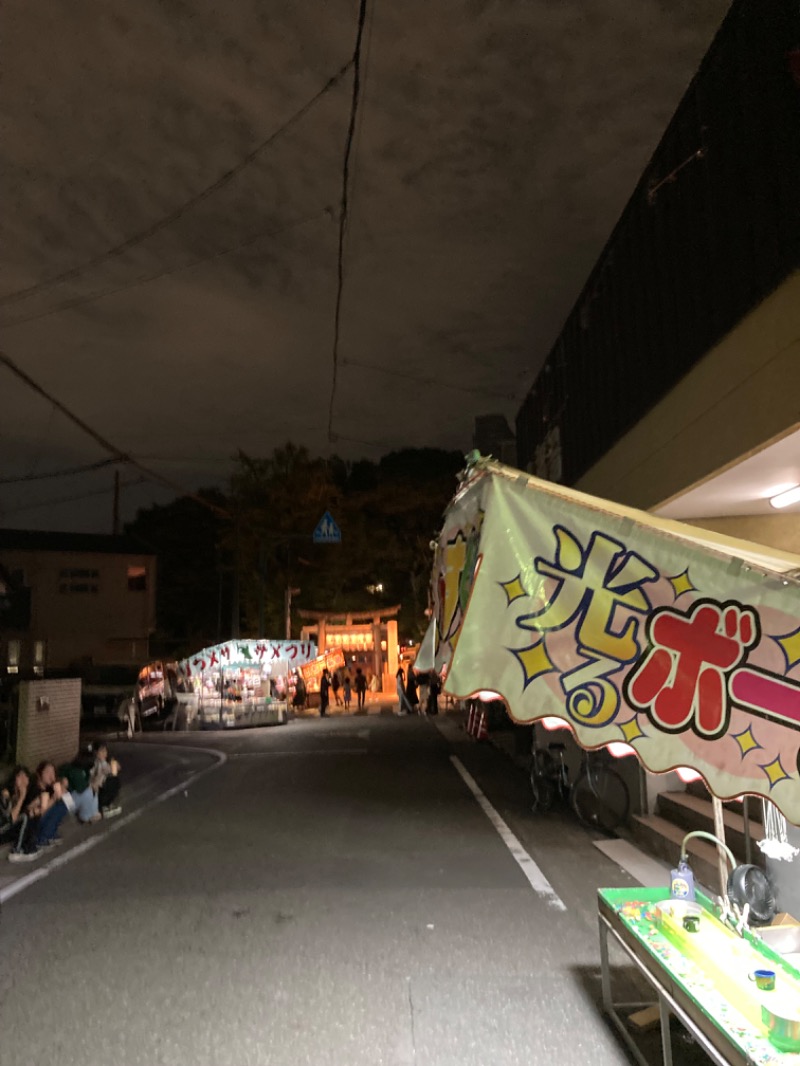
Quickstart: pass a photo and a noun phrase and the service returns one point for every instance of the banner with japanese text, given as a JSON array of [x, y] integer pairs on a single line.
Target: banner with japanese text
[[625, 632], [244, 654], [312, 671]]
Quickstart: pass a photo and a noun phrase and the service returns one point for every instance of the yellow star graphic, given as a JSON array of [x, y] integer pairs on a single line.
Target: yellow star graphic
[[681, 583], [791, 648], [513, 588], [746, 741], [774, 772], [534, 661], [631, 731]]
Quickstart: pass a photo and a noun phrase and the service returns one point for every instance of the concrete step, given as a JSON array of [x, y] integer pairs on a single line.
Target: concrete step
[[661, 838], [689, 811], [698, 788]]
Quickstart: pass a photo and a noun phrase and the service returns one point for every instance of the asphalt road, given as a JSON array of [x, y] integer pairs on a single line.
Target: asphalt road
[[333, 893]]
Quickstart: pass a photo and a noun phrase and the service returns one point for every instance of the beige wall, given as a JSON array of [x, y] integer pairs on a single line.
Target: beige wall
[[111, 625], [775, 531], [744, 392], [49, 721]]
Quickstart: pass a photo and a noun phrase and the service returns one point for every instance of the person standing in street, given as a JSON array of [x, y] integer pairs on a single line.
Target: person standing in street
[[361, 688], [347, 691], [300, 696], [411, 690], [336, 685], [324, 693], [405, 707], [434, 688]]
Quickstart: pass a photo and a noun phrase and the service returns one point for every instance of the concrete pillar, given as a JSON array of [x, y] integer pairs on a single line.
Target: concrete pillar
[[322, 634], [377, 658], [391, 646]]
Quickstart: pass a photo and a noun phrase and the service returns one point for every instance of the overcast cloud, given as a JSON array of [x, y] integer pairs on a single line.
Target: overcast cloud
[[496, 146]]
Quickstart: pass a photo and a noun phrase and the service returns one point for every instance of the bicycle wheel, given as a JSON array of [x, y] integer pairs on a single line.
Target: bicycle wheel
[[600, 798], [542, 781]]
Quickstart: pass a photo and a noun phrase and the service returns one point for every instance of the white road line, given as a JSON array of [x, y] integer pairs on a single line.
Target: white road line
[[61, 860], [538, 882]]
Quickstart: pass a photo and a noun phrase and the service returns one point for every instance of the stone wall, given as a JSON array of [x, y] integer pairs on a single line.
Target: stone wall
[[49, 720]]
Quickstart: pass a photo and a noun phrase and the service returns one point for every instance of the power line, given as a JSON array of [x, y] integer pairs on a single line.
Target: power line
[[343, 209], [71, 499], [167, 220], [145, 279], [106, 445], [65, 472]]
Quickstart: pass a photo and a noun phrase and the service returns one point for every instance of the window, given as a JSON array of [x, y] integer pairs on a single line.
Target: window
[[14, 651], [78, 581], [39, 647], [137, 579]]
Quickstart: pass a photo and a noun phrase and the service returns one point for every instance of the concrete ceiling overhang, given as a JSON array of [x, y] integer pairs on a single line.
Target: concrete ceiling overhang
[[745, 487]]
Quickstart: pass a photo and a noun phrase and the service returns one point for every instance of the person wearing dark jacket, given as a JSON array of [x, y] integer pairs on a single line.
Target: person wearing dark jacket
[[434, 688], [411, 690], [324, 693], [360, 685]]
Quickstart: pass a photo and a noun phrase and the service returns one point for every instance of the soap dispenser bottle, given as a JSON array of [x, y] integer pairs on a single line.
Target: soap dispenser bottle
[[681, 885]]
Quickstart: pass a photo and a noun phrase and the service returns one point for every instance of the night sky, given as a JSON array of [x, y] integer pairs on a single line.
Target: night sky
[[174, 284]]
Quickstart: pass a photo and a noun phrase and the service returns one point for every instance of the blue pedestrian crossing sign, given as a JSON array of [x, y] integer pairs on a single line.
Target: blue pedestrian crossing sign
[[327, 532]]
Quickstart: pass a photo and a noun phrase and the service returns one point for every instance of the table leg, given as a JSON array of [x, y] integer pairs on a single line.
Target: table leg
[[666, 1036], [605, 974]]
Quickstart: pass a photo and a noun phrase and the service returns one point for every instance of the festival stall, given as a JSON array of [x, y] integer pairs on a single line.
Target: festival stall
[[245, 682], [312, 671], [683, 645]]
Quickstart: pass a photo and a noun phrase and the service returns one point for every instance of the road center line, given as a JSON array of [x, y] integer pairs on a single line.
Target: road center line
[[538, 882]]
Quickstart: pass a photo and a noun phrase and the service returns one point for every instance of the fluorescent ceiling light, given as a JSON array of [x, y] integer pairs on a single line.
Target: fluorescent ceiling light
[[786, 498]]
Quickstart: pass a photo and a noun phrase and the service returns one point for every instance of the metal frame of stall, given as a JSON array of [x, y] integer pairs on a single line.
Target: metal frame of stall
[[675, 1002]]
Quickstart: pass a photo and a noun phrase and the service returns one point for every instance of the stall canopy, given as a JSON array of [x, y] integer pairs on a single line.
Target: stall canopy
[[682, 643], [245, 654]]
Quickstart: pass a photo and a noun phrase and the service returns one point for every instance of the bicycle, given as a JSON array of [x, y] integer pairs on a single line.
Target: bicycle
[[599, 797]]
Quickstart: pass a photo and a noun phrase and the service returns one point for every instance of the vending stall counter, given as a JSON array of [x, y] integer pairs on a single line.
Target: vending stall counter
[[714, 980]]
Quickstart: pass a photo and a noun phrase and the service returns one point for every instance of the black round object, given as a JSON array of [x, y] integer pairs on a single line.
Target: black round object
[[749, 884]]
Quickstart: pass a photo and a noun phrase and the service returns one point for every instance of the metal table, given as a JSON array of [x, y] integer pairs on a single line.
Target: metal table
[[725, 1046]]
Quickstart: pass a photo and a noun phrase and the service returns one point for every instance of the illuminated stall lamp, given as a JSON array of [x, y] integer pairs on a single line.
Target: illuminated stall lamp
[[383, 646], [487, 696], [786, 497], [619, 750], [552, 723], [687, 774]]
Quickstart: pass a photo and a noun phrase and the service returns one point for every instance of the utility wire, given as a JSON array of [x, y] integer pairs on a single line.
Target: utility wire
[[344, 205], [167, 220], [145, 279], [106, 445], [66, 472], [72, 499]]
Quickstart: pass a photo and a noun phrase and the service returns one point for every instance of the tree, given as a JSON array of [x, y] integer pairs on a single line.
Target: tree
[[190, 578], [389, 512]]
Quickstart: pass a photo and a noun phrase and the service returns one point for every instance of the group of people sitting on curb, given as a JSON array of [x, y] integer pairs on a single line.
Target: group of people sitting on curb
[[33, 805]]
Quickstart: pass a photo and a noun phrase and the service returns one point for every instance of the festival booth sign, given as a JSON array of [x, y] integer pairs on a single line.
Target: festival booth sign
[[681, 643], [312, 670], [246, 682]]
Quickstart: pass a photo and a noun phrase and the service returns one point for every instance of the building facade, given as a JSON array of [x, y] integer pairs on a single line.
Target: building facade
[[682, 352], [73, 600], [674, 386]]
